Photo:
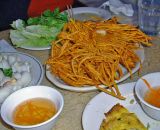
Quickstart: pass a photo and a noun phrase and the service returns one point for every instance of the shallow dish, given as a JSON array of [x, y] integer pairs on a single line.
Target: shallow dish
[[90, 13], [36, 67], [140, 90], [93, 113], [59, 83]]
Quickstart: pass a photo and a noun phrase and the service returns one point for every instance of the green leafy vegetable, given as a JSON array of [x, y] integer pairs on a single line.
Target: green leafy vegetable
[[38, 31], [18, 24], [48, 13], [7, 72], [49, 18]]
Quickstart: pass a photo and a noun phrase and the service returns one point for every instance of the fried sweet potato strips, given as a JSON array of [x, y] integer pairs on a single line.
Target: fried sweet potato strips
[[93, 53]]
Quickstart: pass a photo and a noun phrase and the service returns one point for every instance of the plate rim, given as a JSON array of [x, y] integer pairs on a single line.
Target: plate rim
[[78, 10], [36, 48], [98, 11]]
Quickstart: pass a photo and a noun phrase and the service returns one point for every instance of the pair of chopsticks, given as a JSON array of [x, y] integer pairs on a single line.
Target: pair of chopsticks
[[70, 12]]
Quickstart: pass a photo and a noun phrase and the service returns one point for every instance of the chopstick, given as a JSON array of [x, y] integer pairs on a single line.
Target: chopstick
[[70, 11]]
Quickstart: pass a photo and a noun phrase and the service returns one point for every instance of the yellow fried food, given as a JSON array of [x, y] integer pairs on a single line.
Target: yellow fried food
[[119, 118], [93, 53]]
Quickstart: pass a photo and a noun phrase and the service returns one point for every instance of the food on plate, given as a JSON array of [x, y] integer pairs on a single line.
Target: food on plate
[[38, 31], [14, 74], [34, 111], [119, 118], [94, 53]]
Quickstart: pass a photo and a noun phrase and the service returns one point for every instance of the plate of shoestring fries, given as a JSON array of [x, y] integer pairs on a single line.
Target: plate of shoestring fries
[[96, 55]]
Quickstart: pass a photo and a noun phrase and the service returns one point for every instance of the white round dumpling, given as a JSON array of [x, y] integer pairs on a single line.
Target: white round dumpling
[[16, 67], [17, 75], [21, 67], [12, 59], [25, 79], [27, 66]]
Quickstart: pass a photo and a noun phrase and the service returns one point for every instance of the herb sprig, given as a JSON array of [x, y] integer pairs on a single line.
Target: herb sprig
[[49, 18], [7, 72]]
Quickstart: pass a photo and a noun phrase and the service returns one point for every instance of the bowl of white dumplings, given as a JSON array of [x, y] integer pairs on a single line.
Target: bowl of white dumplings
[[18, 70]]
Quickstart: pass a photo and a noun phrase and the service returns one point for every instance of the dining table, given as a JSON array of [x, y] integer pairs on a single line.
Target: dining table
[[75, 102]]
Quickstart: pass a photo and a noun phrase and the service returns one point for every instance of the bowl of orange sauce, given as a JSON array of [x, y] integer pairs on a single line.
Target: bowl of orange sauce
[[147, 90], [32, 108]]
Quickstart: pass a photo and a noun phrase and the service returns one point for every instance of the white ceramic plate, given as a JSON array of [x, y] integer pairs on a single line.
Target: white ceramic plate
[[90, 13], [59, 83], [37, 71], [35, 48], [94, 112]]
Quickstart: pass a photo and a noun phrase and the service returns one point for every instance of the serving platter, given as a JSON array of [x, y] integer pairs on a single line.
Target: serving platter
[[59, 83], [90, 13], [93, 113]]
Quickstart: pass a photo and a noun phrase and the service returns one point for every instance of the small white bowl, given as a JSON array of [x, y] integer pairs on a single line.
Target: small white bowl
[[141, 89], [24, 94]]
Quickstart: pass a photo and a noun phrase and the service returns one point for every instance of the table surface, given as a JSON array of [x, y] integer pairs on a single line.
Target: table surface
[[70, 118]]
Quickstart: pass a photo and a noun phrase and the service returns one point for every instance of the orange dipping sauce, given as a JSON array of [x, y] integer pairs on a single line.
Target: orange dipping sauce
[[34, 111], [152, 96]]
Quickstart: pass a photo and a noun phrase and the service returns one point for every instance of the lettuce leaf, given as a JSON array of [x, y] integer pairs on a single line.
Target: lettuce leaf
[[34, 36], [38, 31], [18, 24]]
